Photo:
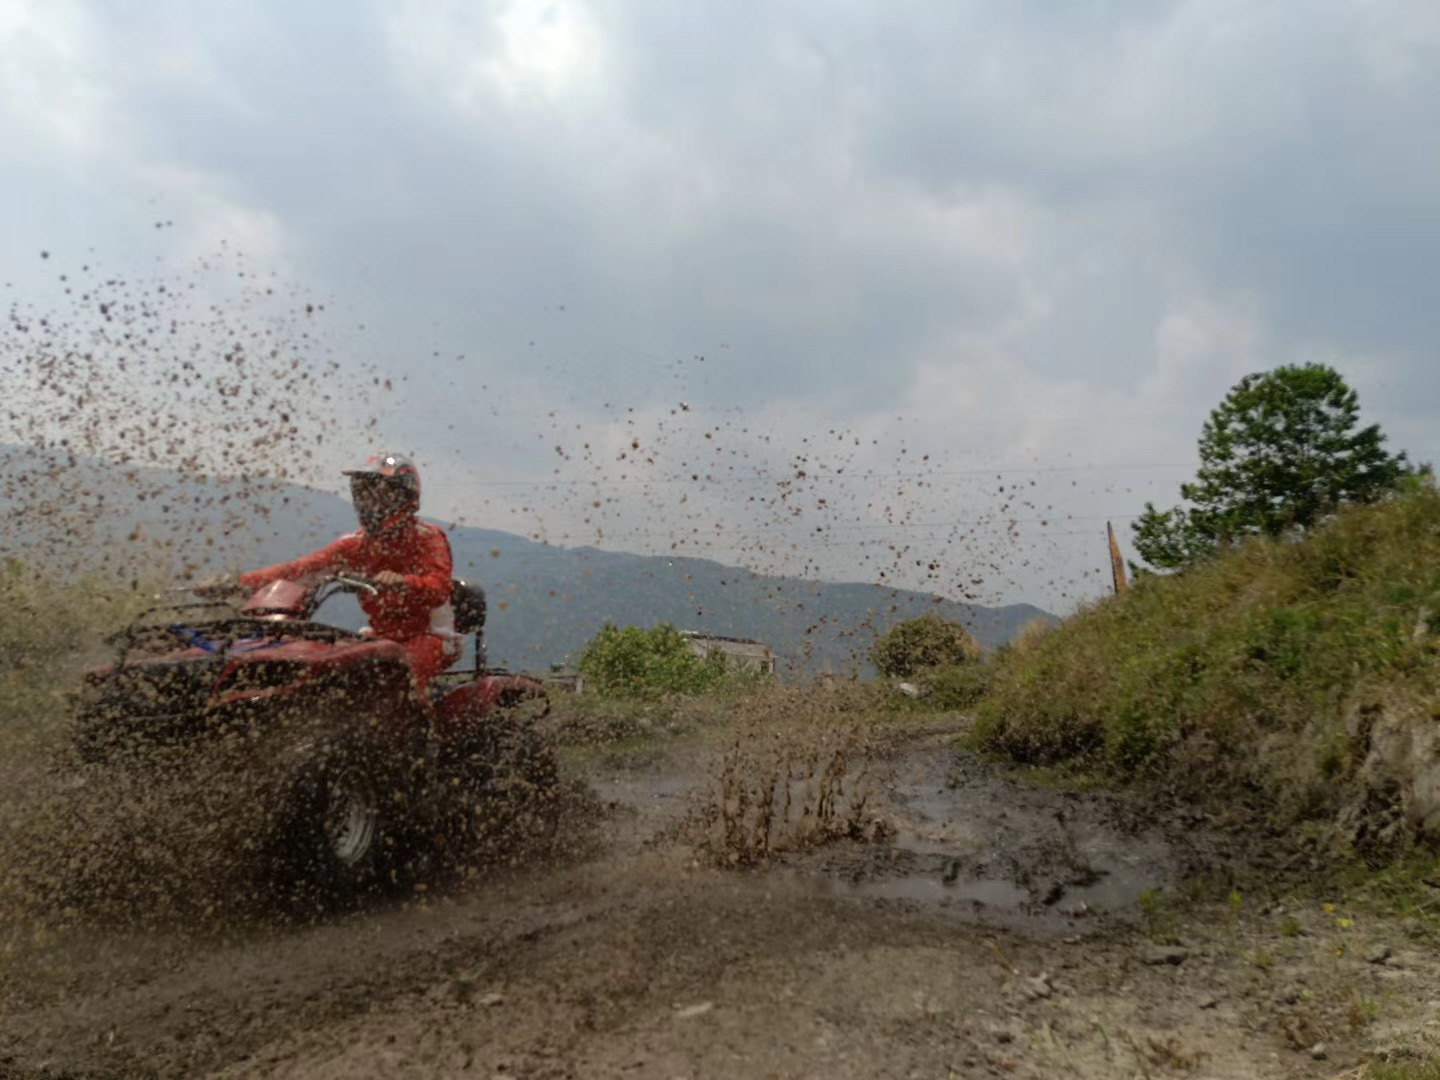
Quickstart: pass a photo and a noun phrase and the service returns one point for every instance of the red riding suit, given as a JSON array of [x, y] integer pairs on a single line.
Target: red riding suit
[[421, 553]]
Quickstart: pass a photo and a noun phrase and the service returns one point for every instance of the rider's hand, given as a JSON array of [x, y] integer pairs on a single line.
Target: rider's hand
[[388, 579]]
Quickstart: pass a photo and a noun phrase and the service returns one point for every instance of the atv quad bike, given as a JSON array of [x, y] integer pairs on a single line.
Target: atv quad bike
[[364, 780]]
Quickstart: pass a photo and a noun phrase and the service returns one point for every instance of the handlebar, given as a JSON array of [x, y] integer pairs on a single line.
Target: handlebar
[[220, 589], [354, 583]]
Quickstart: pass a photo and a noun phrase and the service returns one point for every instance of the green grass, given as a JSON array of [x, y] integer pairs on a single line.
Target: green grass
[[48, 633], [1237, 683], [1405, 1070], [951, 688]]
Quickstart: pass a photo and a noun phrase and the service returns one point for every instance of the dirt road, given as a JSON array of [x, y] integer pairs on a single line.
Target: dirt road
[[992, 930]]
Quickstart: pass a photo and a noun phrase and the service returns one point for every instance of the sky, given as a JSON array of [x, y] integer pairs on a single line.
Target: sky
[[922, 291]]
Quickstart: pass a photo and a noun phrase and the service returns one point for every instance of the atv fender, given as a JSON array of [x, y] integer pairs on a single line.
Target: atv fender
[[471, 703]]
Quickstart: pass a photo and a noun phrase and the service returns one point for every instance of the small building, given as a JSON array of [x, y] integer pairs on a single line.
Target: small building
[[739, 652], [563, 678]]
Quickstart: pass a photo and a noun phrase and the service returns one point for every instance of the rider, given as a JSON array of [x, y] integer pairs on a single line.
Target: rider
[[406, 559]]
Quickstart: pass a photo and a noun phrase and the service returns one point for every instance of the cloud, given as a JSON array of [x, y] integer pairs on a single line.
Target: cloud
[[71, 88], [1021, 236], [49, 91]]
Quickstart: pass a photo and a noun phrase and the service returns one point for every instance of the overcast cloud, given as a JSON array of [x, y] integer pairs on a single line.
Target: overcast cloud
[[1033, 235]]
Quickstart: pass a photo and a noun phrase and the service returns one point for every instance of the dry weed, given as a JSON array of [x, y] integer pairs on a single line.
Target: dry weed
[[792, 778]]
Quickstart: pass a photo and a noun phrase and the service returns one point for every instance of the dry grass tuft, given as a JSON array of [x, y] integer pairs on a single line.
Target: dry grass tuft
[[795, 776]]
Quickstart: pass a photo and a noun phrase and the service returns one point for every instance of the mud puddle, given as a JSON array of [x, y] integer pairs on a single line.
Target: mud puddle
[[993, 850], [961, 839]]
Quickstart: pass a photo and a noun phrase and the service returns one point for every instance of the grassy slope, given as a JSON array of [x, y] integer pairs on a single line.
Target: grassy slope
[[48, 633], [1239, 679]]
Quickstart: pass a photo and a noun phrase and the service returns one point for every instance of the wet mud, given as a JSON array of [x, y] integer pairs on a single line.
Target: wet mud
[[951, 834], [990, 928], [983, 848]]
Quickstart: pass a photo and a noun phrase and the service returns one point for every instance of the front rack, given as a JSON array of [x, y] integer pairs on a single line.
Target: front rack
[[218, 636]]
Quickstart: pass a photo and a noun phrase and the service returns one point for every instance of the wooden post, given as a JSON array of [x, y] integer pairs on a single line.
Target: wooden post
[[1117, 564]]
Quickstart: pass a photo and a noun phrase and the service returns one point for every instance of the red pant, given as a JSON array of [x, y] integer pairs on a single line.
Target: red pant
[[429, 655]]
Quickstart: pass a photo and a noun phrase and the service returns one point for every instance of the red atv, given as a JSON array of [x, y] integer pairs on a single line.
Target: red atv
[[366, 779]]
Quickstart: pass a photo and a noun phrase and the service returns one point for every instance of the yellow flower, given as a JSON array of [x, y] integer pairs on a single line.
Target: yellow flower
[[1345, 924], [1329, 909]]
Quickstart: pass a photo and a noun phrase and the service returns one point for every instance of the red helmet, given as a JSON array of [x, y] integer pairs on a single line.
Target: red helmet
[[385, 487]]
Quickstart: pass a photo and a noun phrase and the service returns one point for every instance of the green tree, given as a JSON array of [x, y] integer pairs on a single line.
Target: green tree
[[1278, 455], [633, 662], [919, 644]]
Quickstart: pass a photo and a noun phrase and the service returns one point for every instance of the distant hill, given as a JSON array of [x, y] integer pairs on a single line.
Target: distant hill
[[546, 601]]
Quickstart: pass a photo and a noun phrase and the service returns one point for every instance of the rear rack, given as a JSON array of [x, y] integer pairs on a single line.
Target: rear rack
[[464, 675]]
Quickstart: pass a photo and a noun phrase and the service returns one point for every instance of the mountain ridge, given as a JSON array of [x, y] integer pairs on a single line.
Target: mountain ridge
[[546, 600]]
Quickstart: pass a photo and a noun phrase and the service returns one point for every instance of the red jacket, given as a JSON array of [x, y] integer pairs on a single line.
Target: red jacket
[[419, 551]]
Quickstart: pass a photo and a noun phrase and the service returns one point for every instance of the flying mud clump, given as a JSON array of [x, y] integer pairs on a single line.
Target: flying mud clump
[[147, 419], [148, 428]]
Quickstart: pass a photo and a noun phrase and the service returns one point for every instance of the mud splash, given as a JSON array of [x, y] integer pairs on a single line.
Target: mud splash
[[186, 838]]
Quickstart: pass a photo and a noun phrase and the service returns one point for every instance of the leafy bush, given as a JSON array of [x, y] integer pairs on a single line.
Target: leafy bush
[[944, 689], [917, 645], [637, 663], [1238, 681]]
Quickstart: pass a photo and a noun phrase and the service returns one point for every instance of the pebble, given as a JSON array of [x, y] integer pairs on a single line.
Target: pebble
[[1037, 988], [692, 1011], [492, 999], [1318, 1052], [1166, 954], [1378, 954]]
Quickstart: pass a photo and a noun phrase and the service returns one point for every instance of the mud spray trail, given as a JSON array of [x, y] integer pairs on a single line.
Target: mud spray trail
[[932, 919]]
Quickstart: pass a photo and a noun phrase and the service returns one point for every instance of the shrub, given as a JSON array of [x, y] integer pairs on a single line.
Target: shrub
[[944, 689], [1029, 635], [637, 663], [917, 645]]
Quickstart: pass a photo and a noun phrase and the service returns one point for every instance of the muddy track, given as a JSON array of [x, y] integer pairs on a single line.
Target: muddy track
[[994, 932]]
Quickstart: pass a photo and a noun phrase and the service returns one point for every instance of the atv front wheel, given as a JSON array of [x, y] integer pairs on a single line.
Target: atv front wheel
[[338, 824], [352, 819]]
